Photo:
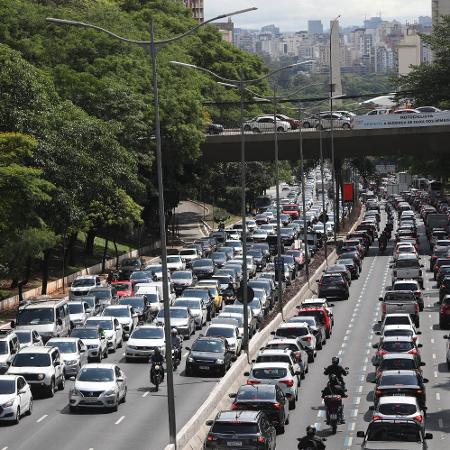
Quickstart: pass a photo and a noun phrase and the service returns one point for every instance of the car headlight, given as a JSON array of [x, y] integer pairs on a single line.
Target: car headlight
[[133, 347], [8, 403], [219, 361], [41, 376], [190, 359], [109, 393], [162, 348], [75, 392], [71, 362], [233, 345], [110, 338]]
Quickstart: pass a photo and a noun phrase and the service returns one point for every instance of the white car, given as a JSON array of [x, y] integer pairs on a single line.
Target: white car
[[399, 330], [144, 340], [112, 329], [73, 352], [174, 262], [126, 315], [295, 346], [98, 386], [28, 338], [280, 355], [79, 311], [82, 284], [300, 331], [188, 255], [447, 349], [393, 407], [265, 124], [276, 373], [94, 340], [230, 333], [260, 235], [15, 398], [197, 307]]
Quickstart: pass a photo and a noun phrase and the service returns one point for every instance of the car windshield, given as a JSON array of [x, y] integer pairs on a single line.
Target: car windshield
[[309, 320], [96, 374], [173, 259], [64, 347], [282, 346], [394, 432], [220, 332], [397, 364], [75, 308], [213, 346], [292, 332], [7, 387], [256, 393], [181, 275], [331, 279], [35, 316], [130, 262], [398, 380], [193, 304], [135, 302], [235, 428], [116, 312], [148, 333], [397, 409], [140, 275], [395, 296], [196, 293], [188, 252], [102, 294], [122, 286], [402, 320], [105, 324], [31, 360], [397, 346], [85, 333], [202, 263], [83, 282], [273, 358], [405, 287], [269, 373], [24, 337], [3, 348], [176, 313]]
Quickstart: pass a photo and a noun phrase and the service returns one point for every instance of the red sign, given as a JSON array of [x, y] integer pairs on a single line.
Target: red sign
[[348, 192]]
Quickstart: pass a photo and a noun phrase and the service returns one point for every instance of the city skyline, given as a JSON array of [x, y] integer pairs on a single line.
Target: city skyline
[[295, 13]]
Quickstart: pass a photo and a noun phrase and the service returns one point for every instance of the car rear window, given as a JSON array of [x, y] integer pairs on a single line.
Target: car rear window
[[408, 333], [405, 263], [269, 373], [399, 296], [397, 364], [235, 427], [273, 358], [398, 380], [294, 332], [256, 393], [397, 346], [403, 320], [397, 409]]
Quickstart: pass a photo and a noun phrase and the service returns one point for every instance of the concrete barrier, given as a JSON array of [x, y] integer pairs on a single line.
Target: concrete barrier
[[12, 302]]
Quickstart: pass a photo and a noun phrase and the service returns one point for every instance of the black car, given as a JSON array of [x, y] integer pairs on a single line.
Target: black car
[[214, 128], [129, 265], [258, 258], [265, 397], [218, 258], [333, 285], [342, 269], [251, 430], [141, 276], [140, 304], [444, 289], [208, 354], [351, 266], [203, 268]]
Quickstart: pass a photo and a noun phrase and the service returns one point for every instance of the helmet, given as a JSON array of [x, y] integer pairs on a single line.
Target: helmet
[[333, 379], [335, 360], [174, 331], [157, 351], [310, 431]]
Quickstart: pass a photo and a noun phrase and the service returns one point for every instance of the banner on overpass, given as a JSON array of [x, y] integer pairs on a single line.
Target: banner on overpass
[[402, 120]]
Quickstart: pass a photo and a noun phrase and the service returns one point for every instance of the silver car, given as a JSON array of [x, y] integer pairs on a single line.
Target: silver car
[[265, 124], [324, 121], [98, 386], [181, 318], [73, 353]]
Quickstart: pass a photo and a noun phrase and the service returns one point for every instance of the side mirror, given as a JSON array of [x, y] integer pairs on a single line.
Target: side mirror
[[273, 334], [380, 299], [253, 360], [59, 322], [360, 434], [422, 265], [378, 333], [374, 345], [425, 380], [57, 363], [13, 324], [331, 305], [298, 372], [422, 364], [445, 336], [246, 374], [420, 345], [232, 395], [428, 435], [371, 408], [373, 381], [119, 379], [23, 391], [188, 348], [418, 332], [209, 423], [72, 378]]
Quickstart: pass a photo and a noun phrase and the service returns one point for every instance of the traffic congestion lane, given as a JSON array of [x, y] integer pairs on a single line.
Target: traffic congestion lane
[[143, 416]]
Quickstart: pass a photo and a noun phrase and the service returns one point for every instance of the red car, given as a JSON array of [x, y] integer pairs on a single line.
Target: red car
[[292, 210], [321, 315], [444, 312], [123, 288]]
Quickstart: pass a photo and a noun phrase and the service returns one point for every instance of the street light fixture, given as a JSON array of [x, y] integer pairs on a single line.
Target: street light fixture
[[241, 85], [154, 46]]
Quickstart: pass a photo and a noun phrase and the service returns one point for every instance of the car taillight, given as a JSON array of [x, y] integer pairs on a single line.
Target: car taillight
[[210, 438], [261, 439], [418, 293], [413, 351], [383, 308], [418, 419], [376, 418], [298, 356], [253, 382], [278, 405], [308, 338], [416, 307], [381, 352], [235, 406], [419, 391], [288, 383], [395, 273], [378, 392]]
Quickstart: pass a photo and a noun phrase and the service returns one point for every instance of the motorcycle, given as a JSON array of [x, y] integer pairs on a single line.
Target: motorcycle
[[341, 380], [382, 247], [308, 444], [156, 375], [176, 357], [228, 298], [333, 405]]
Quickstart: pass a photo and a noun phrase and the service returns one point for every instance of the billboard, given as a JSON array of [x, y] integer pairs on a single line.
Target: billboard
[[401, 120], [348, 192]]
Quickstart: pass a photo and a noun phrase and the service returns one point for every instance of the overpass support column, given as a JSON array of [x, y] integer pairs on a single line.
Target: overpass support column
[[338, 190]]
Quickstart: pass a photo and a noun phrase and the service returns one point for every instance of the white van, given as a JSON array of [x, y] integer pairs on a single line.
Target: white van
[[151, 293], [49, 317], [158, 285]]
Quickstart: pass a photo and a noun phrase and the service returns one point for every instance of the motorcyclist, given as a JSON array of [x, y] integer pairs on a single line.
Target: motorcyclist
[[335, 388], [382, 240], [221, 226], [229, 291], [336, 369], [311, 440], [157, 359], [176, 342]]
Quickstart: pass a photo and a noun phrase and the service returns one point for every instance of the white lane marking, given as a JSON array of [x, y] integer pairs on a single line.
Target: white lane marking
[[321, 413], [357, 401], [346, 338], [348, 332], [440, 423], [360, 389], [431, 327], [344, 344], [435, 374], [354, 412], [368, 351], [429, 316], [145, 394], [184, 356], [41, 418], [351, 426], [438, 396], [318, 426], [119, 420], [432, 340], [434, 355], [364, 368], [340, 352], [366, 360], [5, 448], [363, 377]]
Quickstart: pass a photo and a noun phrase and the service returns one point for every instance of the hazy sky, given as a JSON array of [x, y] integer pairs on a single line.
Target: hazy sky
[[292, 15]]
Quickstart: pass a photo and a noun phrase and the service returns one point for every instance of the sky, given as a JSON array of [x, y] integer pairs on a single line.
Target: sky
[[292, 15]]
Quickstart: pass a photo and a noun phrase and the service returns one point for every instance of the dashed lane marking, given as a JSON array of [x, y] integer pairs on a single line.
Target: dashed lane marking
[[441, 423], [360, 389], [438, 396], [41, 418], [435, 374], [145, 394], [119, 420]]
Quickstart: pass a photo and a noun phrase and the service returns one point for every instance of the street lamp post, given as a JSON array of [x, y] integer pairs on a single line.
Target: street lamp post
[[154, 46], [335, 196]]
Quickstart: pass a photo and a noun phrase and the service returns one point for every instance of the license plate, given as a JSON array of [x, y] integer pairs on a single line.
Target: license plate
[[399, 394], [234, 443], [90, 399], [204, 367], [333, 416]]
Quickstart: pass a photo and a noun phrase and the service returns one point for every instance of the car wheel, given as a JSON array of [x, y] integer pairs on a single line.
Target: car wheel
[[51, 388], [124, 398], [345, 126], [448, 365], [306, 125], [256, 130], [62, 383], [319, 346], [30, 407], [310, 358], [72, 408], [119, 345], [292, 403], [222, 371], [17, 416], [280, 129], [280, 429], [105, 355], [188, 372], [247, 128], [116, 405], [327, 334]]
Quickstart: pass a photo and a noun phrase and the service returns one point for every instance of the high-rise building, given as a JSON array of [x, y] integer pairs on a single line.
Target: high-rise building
[[439, 8], [197, 9], [315, 27], [409, 51], [270, 29], [226, 29]]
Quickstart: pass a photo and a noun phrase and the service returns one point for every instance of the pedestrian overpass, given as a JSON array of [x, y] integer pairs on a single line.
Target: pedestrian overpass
[[428, 142]]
